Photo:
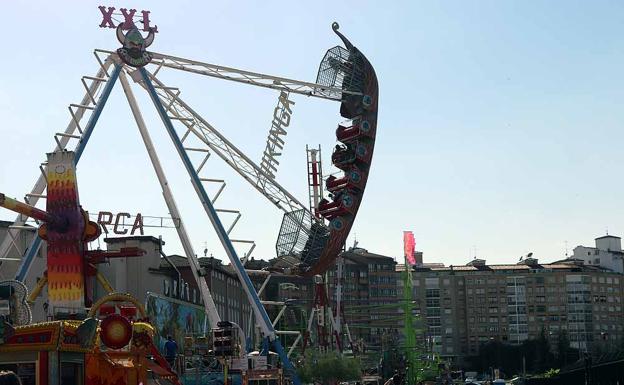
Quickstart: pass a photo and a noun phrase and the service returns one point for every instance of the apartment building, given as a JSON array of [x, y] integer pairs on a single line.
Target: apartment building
[[369, 293], [463, 307], [607, 253], [171, 276]]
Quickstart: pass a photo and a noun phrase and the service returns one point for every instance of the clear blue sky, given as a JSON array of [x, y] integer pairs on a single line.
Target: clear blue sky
[[500, 122]]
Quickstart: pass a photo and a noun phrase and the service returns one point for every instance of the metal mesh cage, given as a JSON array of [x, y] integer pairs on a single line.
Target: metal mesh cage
[[291, 236], [341, 68], [301, 236]]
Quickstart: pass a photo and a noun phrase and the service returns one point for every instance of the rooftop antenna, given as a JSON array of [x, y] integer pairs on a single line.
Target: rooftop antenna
[[566, 248], [205, 249]]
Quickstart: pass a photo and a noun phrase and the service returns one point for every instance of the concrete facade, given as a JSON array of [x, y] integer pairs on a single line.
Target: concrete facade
[[464, 306], [369, 281], [461, 307], [171, 276], [607, 253], [133, 275]]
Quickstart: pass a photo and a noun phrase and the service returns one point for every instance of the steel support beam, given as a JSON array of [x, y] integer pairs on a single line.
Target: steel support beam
[[40, 184], [246, 77], [24, 267], [209, 305], [221, 146], [262, 318]]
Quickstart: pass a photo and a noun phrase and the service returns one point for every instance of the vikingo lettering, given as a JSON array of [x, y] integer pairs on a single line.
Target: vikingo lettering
[[128, 15], [105, 218], [275, 143]]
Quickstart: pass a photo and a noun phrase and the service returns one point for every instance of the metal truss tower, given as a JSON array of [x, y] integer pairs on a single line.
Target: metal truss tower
[[315, 179]]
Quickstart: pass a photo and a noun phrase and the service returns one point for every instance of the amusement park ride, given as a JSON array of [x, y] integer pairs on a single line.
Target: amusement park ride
[[111, 337]]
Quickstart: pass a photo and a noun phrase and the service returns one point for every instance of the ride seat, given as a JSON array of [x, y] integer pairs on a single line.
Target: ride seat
[[347, 134]]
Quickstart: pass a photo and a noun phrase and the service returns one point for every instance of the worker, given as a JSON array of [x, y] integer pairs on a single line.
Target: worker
[[171, 350]]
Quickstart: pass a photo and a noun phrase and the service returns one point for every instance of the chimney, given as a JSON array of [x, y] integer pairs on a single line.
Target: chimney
[[418, 257]]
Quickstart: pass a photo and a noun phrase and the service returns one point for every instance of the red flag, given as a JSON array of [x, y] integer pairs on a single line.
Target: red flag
[[409, 245]]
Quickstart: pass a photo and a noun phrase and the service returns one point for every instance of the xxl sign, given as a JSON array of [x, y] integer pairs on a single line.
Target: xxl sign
[[128, 16]]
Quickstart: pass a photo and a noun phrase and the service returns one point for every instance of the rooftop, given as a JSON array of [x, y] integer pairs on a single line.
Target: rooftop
[[608, 236], [182, 261], [364, 256], [564, 264]]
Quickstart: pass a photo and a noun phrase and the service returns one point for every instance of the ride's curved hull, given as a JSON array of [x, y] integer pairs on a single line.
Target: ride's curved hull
[[354, 157]]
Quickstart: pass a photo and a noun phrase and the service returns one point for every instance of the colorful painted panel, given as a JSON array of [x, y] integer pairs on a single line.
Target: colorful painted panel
[[41, 336], [176, 318], [65, 244], [66, 336]]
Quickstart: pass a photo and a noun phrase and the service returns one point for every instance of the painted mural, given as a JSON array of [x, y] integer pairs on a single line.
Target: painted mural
[[174, 317]]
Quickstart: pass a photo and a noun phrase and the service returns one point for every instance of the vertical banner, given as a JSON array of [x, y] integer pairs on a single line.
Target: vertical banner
[[409, 246], [65, 245]]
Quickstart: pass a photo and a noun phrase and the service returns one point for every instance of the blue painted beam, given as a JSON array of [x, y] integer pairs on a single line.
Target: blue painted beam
[[86, 134], [218, 226]]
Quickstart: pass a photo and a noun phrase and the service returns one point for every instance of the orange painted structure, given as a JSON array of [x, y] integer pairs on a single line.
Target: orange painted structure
[[71, 268], [76, 352], [111, 345]]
